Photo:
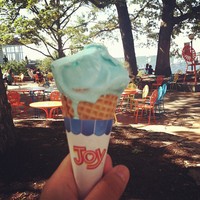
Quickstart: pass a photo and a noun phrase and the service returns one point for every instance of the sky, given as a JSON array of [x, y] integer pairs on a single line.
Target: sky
[[116, 49]]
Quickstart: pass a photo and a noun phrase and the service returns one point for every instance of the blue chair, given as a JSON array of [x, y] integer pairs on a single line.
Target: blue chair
[[157, 104], [163, 95], [160, 100]]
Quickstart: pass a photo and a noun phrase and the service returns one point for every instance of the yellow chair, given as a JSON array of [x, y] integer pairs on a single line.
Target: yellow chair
[[173, 84], [132, 86], [145, 93], [140, 73]]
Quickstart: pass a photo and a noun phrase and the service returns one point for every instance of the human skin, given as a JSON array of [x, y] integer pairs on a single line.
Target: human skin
[[62, 185]]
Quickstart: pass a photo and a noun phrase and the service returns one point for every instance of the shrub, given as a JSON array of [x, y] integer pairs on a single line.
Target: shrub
[[18, 67]]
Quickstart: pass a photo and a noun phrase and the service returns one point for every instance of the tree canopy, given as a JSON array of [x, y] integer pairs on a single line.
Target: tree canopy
[[68, 25], [58, 25]]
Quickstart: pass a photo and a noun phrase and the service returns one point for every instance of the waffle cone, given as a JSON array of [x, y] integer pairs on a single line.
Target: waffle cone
[[102, 109], [67, 109]]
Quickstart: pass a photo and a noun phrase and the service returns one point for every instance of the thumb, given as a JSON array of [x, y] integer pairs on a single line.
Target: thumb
[[112, 185]]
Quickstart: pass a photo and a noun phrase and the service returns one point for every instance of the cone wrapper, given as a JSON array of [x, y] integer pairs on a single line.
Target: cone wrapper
[[88, 142]]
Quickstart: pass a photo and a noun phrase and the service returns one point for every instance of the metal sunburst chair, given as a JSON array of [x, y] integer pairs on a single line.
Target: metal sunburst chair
[[147, 107], [15, 101], [55, 96]]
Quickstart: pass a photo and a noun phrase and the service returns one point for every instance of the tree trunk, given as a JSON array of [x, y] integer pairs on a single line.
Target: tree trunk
[[163, 56], [7, 128], [127, 36], [60, 48]]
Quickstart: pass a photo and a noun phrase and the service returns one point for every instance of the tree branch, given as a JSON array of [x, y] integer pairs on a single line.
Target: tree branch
[[99, 3], [195, 14], [47, 55], [141, 10]]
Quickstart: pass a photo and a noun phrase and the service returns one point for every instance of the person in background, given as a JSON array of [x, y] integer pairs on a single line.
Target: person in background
[[49, 76], [10, 77], [39, 78], [5, 59], [30, 73], [26, 59], [147, 69], [62, 186], [5, 74], [150, 70]]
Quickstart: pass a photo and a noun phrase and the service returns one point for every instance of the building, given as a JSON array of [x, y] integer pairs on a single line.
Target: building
[[13, 51]]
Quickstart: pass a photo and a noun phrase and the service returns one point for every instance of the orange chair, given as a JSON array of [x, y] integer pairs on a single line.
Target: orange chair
[[159, 82], [36, 78], [149, 108], [55, 96], [15, 102]]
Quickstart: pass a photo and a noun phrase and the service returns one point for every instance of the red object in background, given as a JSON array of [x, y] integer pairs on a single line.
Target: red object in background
[[188, 54]]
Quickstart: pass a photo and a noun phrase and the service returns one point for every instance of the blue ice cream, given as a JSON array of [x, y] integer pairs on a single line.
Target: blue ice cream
[[90, 73]]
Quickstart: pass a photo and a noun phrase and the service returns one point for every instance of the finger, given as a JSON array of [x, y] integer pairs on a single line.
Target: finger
[[108, 164], [112, 185], [61, 184]]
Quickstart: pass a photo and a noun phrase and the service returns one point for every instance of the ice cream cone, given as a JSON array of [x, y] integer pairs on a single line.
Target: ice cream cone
[[88, 138], [90, 82]]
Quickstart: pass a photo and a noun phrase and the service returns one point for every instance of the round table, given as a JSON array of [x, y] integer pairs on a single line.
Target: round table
[[47, 106], [27, 89]]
